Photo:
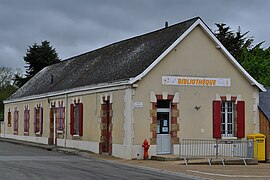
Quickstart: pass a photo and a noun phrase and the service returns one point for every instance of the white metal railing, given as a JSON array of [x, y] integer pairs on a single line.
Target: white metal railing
[[216, 149], [2, 129]]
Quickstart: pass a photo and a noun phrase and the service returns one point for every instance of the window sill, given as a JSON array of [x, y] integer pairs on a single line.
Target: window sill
[[37, 133], [228, 138], [60, 132], [77, 137]]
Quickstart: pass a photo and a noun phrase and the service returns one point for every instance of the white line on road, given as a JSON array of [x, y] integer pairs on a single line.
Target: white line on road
[[228, 175]]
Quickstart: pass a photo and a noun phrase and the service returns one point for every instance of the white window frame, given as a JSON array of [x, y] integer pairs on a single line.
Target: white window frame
[[226, 113]]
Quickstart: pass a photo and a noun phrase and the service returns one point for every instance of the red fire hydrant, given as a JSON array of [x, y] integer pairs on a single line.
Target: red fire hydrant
[[145, 146]]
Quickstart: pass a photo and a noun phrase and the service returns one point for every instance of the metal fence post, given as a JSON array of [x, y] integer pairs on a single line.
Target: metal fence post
[[216, 146]]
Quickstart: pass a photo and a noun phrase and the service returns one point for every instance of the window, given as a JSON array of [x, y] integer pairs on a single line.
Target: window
[[9, 118], [26, 120], [16, 119], [60, 118], [228, 119], [163, 116], [227, 122], [38, 120], [76, 119]]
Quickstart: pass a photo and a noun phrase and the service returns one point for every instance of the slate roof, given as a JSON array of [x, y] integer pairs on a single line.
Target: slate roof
[[113, 63], [264, 102]]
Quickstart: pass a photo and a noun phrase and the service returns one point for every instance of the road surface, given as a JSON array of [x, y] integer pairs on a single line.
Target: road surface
[[25, 162]]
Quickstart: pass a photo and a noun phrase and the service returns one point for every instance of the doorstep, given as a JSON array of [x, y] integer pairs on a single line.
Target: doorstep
[[168, 157]]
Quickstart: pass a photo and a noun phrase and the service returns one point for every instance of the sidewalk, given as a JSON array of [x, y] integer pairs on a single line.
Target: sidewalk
[[260, 171]]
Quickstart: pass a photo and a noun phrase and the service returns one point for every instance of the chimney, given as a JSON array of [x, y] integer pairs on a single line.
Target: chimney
[[166, 24]]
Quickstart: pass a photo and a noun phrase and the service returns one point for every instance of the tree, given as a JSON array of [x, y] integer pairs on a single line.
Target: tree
[[254, 59], [6, 75], [234, 42], [5, 92], [257, 62], [37, 57], [6, 86]]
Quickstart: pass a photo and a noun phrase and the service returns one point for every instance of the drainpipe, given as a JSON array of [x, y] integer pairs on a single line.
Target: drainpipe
[[66, 105]]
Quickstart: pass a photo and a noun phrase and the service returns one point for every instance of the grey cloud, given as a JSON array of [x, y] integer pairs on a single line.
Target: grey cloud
[[74, 27]]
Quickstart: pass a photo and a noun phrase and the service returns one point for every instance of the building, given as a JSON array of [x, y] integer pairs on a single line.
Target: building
[[264, 115], [176, 82]]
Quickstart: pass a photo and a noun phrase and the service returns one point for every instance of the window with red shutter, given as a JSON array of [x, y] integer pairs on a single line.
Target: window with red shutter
[[224, 117], [38, 120], [76, 119], [60, 118], [26, 120]]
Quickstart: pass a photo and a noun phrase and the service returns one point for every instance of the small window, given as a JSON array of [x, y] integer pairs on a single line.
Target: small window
[[163, 104]]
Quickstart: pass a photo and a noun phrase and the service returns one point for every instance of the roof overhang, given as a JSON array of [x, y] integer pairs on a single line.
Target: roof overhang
[[81, 90], [200, 23]]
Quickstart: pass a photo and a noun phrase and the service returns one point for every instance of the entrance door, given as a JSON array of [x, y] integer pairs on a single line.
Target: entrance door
[[52, 139], [106, 131], [163, 131]]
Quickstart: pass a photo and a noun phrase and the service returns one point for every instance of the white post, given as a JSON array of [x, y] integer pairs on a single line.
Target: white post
[[66, 115], [54, 128], [128, 138]]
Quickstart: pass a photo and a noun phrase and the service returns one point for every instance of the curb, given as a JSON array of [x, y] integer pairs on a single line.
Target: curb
[[64, 150]]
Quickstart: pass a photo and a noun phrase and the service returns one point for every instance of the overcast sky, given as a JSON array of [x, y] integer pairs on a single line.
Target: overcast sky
[[77, 26]]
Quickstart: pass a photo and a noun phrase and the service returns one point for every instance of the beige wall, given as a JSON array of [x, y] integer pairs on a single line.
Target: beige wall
[[196, 56], [21, 106], [118, 118], [91, 115]]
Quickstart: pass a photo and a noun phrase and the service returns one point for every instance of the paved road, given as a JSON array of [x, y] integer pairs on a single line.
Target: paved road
[[24, 162]]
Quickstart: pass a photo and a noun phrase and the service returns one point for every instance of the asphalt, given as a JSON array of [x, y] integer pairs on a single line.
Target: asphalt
[[196, 168]]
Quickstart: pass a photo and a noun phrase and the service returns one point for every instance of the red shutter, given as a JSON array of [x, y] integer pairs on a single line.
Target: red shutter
[[35, 120], [41, 120], [28, 119], [63, 118], [240, 119], [15, 128], [80, 119], [25, 120], [216, 119], [71, 119]]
